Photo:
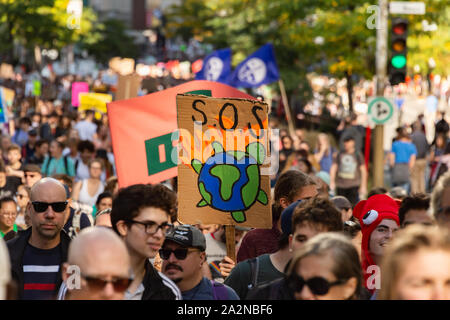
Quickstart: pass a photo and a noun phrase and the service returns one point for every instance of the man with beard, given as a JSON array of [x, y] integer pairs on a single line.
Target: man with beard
[[183, 255], [141, 216], [37, 253]]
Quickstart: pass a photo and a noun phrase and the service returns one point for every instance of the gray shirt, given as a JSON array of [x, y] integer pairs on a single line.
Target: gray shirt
[[421, 143]]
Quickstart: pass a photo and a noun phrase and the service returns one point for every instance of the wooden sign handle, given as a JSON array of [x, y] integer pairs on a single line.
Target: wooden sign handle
[[231, 242]]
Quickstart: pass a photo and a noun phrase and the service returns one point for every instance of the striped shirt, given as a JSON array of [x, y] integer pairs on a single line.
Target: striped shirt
[[41, 272]]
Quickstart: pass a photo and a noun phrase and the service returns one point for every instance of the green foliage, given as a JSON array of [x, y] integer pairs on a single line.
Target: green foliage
[[112, 41], [292, 26]]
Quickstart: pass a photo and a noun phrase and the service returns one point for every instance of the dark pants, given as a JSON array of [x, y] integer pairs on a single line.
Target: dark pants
[[352, 194]]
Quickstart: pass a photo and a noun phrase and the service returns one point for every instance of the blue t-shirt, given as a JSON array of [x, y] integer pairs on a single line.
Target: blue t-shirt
[[326, 161], [403, 151], [204, 291], [41, 273]]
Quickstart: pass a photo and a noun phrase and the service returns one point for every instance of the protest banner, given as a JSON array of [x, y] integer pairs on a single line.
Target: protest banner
[[123, 66], [128, 86], [77, 88], [223, 161], [94, 101], [142, 129]]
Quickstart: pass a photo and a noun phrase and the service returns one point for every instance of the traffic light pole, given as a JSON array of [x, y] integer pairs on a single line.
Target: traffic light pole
[[381, 63]]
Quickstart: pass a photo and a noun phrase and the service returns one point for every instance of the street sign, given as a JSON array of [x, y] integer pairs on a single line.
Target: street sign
[[407, 7], [380, 110]]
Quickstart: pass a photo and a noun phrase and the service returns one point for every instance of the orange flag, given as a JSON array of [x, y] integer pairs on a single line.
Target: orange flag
[[142, 127]]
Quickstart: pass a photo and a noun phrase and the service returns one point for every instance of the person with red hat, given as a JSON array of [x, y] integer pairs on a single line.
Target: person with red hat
[[378, 216]]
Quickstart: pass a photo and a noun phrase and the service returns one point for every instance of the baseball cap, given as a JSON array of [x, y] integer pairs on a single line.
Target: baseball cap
[[286, 217], [31, 168], [187, 236], [341, 202]]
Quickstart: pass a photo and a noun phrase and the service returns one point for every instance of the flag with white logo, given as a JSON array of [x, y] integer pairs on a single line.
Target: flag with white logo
[[216, 66], [259, 68]]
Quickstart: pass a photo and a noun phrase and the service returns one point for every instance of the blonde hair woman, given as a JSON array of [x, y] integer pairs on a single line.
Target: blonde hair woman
[[416, 265]]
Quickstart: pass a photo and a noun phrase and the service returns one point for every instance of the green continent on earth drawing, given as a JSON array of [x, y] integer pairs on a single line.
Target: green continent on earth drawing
[[230, 181]]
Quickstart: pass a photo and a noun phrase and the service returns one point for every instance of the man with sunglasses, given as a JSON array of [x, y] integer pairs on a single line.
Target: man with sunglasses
[[97, 267], [140, 215], [37, 253], [183, 255]]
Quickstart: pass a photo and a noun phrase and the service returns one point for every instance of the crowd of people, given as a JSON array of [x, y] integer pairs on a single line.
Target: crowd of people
[[68, 232]]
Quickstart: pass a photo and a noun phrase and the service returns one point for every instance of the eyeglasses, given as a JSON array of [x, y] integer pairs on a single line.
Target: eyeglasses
[[318, 285], [98, 284], [56, 206], [152, 227], [180, 253]]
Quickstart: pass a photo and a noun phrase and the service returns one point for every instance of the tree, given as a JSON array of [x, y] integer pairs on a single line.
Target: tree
[[112, 41]]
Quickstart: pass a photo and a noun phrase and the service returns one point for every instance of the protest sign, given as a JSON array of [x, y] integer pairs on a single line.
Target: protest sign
[[142, 128], [123, 66], [128, 86], [94, 101], [77, 88], [3, 108], [36, 88], [224, 161], [8, 95]]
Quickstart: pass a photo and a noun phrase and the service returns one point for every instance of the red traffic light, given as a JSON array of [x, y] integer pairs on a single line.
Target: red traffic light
[[399, 29]]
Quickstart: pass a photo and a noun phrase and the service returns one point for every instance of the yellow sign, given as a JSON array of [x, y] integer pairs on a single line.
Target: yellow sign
[[94, 101]]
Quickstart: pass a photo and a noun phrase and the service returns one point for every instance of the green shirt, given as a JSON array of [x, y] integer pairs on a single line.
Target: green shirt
[[241, 276], [14, 228]]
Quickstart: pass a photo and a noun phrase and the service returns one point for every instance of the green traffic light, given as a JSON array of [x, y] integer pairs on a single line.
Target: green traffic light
[[398, 61]]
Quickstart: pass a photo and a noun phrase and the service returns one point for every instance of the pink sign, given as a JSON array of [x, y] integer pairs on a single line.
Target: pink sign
[[77, 88]]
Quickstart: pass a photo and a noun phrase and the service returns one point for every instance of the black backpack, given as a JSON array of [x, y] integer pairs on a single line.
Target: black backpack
[[66, 165]]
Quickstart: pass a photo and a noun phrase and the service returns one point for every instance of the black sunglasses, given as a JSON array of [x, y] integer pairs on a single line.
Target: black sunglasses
[[98, 284], [56, 206], [180, 253], [318, 285]]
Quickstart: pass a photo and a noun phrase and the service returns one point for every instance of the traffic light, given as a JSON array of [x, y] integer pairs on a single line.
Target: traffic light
[[397, 59]]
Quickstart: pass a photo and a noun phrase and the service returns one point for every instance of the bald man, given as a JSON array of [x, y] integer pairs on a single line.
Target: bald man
[[37, 253], [97, 268]]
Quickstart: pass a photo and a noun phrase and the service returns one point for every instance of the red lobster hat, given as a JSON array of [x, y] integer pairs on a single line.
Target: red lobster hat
[[370, 213]]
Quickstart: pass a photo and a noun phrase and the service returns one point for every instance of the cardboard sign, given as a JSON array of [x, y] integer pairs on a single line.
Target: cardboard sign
[[6, 71], [123, 66], [94, 101], [142, 128], [224, 161], [128, 86], [77, 88]]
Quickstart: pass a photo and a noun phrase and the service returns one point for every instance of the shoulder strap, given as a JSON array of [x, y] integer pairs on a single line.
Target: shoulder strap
[[50, 158], [220, 292], [66, 166], [254, 271], [76, 166]]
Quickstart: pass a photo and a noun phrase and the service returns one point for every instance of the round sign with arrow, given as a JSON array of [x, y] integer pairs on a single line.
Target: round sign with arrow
[[380, 110]]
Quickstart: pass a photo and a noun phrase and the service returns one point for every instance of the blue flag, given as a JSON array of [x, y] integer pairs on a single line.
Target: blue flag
[[216, 66], [3, 110], [259, 68]]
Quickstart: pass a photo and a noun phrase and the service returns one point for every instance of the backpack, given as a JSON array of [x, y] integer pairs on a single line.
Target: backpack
[[220, 292]]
